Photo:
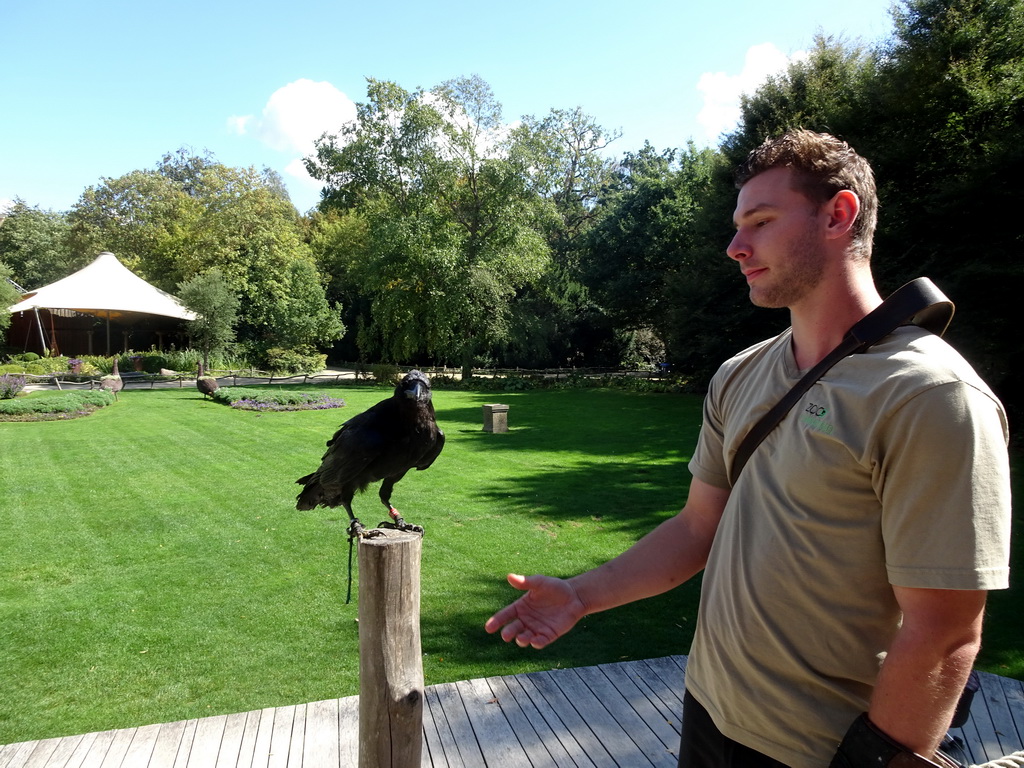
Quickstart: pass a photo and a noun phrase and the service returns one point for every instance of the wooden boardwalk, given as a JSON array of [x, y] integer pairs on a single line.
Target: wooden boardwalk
[[623, 714]]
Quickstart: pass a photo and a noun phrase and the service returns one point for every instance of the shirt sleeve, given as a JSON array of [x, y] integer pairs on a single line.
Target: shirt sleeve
[[708, 462], [942, 475]]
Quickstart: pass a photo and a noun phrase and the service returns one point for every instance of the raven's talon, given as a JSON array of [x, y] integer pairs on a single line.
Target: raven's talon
[[399, 524]]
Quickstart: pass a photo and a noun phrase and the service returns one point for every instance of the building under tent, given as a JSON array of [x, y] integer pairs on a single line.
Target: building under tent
[[101, 309]]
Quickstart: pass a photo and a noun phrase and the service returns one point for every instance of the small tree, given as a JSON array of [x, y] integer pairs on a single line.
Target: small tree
[[210, 296], [8, 296]]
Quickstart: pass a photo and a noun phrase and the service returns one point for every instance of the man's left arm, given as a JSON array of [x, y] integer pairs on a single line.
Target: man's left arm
[[927, 665]]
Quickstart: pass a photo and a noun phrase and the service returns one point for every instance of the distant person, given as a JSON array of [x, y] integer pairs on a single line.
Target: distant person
[[846, 568]]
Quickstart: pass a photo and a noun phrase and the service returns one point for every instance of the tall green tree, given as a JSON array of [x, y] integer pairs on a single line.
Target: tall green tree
[[452, 229], [211, 297], [938, 109], [34, 244], [655, 256], [9, 295], [192, 214], [556, 321]]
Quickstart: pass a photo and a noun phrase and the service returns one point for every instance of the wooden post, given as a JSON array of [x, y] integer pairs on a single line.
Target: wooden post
[[390, 658], [495, 417]]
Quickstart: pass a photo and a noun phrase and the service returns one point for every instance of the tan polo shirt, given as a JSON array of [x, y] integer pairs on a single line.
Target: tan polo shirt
[[893, 470]]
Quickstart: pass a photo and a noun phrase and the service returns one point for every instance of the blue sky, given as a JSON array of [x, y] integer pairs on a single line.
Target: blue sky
[[95, 90]]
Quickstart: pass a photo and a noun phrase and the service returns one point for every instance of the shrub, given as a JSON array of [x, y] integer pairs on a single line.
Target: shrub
[[385, 373], [247, 398], [11, 385], [61, 403], [287, 361]]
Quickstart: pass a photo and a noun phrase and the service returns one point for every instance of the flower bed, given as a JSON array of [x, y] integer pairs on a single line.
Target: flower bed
[[52, 407], [249, 399]]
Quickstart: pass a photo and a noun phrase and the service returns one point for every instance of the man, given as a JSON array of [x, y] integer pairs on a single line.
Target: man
[[846, 568]]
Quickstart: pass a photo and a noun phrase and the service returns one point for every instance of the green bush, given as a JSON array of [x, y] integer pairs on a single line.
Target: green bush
[[385, 373], [11, 385], [289, 361], [280, 400], [56, 403]]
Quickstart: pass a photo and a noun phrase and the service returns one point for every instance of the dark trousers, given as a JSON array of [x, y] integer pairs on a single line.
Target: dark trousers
[[703, 745]]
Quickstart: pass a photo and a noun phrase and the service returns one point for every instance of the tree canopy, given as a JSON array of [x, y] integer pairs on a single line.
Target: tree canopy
[[190, 215], [447, 235], [452, 229]]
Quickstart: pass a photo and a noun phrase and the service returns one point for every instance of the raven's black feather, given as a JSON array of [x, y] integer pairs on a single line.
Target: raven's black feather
[[381, 443]]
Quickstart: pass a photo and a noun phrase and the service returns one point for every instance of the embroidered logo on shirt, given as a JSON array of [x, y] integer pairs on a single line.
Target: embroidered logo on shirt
[[814, 415]]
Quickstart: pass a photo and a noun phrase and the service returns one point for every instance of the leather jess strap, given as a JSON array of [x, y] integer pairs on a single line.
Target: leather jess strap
[[918, 302]]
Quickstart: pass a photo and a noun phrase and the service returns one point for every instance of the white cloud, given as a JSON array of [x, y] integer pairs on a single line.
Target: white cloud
[[294, 117], [721, 91]]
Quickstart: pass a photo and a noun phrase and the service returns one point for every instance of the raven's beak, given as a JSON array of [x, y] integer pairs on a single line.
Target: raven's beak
[[418, 392]]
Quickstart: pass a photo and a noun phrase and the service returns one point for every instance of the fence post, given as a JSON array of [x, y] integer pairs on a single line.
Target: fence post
[[390, 658]]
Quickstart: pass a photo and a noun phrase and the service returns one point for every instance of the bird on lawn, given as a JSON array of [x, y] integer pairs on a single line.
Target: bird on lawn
[[112, 381], [381, 443], [206, 384]]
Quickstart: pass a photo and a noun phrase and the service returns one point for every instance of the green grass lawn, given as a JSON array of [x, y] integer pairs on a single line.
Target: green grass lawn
[[154, 568]]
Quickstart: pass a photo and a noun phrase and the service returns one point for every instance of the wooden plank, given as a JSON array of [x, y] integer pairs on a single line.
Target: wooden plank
[[281, 737], [562, 732], [648, 707], [970, 741], [522, 716], [999, 711], [40, 753], [264, 733], [168, 742], [348, 731], [209, 735], [20, 753], [140, 750], [498, 742], [188, 737], [615, 737], [629, 709], [661, 695], [620, 714], [7, 752], [298, 737], [433, 752], [448, 755], [98, 750], [231, 741], [463, 740], [671, 673], [553, 749], [321, 744], [81, 752], [65, 748], [1013, 690], [118, 748], [981, 717], [247, 744], [566, 695]]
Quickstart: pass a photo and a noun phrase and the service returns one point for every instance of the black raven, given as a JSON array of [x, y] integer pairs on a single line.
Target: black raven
[[381, 443]]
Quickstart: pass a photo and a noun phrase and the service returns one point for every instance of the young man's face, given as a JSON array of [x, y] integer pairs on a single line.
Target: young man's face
[[779, 242]]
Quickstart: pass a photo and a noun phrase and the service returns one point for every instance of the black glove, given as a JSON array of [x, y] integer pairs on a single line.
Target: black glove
[[865, 746]]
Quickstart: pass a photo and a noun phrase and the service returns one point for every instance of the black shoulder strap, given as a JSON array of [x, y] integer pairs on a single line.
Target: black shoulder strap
[[918, 302]]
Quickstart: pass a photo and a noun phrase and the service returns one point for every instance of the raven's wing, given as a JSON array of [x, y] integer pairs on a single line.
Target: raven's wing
[[433, 452]]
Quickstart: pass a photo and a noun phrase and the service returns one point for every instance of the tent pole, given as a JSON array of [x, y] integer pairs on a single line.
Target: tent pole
[[42, 333], [108, 333]]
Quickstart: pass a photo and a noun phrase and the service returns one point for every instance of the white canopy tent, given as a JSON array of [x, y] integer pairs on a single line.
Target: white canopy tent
[[105, 289]]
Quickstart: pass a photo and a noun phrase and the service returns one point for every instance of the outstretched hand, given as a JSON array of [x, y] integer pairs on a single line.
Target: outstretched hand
[[548, 610]]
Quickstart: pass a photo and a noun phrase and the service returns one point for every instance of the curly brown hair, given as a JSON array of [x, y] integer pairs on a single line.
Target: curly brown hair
[[823, 165]]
